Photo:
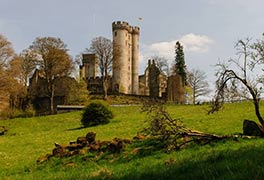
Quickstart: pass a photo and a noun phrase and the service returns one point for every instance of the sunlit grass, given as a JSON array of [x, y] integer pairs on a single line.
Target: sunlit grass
[[27, 139]]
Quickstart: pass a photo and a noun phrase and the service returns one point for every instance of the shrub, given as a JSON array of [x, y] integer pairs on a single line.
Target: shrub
[[96, 113]]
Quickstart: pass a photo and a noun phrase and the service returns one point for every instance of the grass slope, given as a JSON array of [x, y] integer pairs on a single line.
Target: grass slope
[[27, 139]]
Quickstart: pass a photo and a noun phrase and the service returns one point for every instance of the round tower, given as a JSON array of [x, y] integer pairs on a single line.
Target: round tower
[[135, 58], [122, 80]]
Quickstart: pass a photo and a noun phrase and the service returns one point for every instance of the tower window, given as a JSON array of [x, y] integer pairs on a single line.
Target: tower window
[[115, 33]]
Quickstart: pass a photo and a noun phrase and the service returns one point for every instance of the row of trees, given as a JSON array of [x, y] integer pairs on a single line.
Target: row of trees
[[50, 56], [47, 54]]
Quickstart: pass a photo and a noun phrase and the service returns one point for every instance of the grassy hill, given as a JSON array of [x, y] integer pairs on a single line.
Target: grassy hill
[[27, 139]]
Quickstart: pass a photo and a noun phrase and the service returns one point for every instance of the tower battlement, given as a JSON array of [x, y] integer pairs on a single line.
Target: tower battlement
[[122, 25], [135, 30]]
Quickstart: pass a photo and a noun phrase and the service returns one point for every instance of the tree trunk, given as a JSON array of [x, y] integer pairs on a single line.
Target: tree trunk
[[52, 99], [51, 104], [105, 87], [256, 103], [194, 97]]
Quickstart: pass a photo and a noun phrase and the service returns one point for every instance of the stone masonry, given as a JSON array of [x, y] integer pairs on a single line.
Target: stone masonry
[[125, 58]]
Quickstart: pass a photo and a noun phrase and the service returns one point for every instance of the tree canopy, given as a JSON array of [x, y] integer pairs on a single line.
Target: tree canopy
[[54, 62]]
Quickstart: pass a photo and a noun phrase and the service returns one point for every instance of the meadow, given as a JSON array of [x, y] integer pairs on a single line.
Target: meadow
[[29, 138]]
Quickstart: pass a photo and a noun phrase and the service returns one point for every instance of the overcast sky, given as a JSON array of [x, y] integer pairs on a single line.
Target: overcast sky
[[208, 29]]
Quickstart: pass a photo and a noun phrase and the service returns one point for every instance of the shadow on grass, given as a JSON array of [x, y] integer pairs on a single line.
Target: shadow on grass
[[83, 127], [78, 128], [244, 163], [221, 160]]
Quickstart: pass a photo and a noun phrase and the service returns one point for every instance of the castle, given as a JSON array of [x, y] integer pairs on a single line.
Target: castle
[[125, 58], [125, 78]]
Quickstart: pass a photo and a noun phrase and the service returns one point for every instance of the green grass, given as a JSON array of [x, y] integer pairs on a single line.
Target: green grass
[[28, 139]]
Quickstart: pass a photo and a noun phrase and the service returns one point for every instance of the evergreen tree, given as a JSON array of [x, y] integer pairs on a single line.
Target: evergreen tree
[[180, 67]]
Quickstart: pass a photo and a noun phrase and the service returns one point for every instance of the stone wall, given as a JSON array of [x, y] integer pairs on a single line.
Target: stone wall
[[95, 85], [39, 93], [89, 67], [175, 89], [153, 82]]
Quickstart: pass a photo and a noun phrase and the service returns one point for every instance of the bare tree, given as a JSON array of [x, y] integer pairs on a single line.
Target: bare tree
[[162, 64], [55, 62], [6, 54], [24, 65], [30, 60], [197, 81], [103, 48], [241, 72]]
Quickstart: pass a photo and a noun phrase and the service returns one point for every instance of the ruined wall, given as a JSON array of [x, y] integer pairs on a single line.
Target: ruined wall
[[95, 85], [39, 94], [175, 89], [153, 83], [89, 67]]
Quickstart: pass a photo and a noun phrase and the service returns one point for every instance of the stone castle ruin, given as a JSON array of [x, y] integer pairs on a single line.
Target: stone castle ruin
[[125, 78]]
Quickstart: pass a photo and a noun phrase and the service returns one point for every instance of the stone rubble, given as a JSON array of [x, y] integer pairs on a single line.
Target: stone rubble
[[84, 145]]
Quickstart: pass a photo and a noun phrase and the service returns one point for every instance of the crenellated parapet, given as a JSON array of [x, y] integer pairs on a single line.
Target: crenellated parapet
[[122, 25], [135, 30]]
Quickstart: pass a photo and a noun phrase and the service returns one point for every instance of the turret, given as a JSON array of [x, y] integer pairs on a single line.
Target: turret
[[125, 58], [135, 58]]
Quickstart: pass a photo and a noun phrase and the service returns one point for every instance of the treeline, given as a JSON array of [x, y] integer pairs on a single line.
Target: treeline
[[50, 57]]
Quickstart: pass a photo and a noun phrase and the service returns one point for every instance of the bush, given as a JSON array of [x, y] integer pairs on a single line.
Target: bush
[[96, 113]]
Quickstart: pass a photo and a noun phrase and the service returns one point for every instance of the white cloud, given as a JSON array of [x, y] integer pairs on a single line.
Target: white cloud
[[196, 43], [165, 49], [192, 43]]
